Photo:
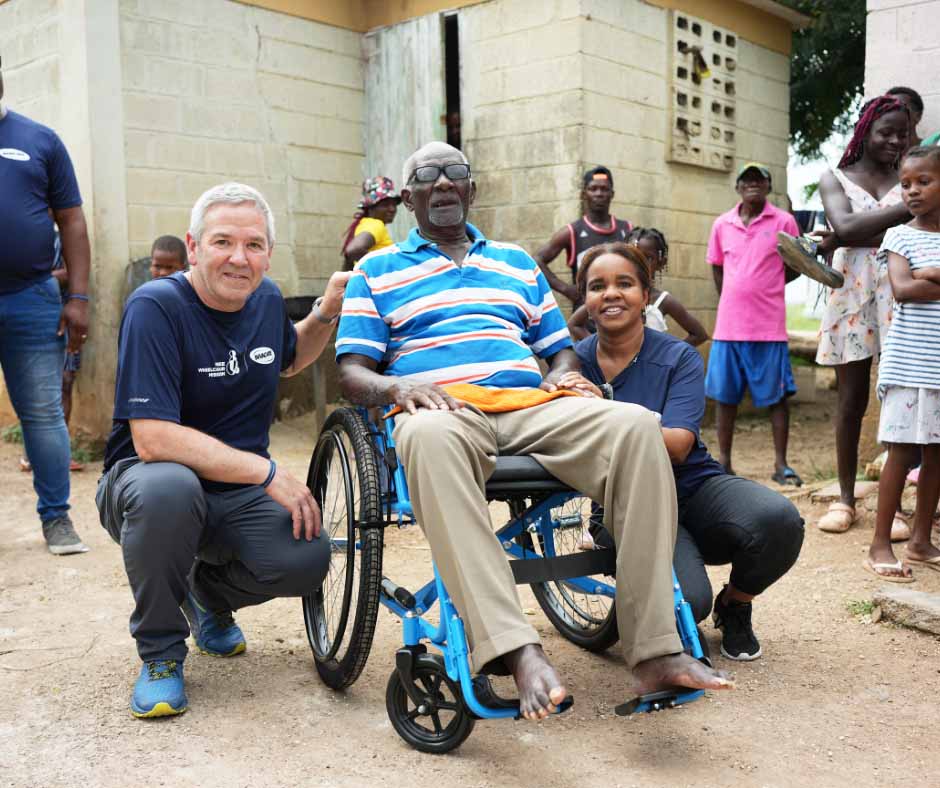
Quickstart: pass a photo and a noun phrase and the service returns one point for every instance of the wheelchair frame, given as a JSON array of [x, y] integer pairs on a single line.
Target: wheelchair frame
[[474, 698]]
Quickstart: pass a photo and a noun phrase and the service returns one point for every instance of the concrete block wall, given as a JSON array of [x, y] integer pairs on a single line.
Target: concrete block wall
[[901, 48], [522, 109], [216, 90], [625, 47]]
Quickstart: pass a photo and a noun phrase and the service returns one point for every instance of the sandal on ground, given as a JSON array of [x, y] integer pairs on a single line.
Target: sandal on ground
[[787, 476], [929, 563], [75, 465], [25, 465], [838, 519], [897, 566], [900, 527]]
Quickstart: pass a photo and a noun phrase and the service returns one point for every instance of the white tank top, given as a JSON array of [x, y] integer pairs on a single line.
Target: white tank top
[[655, 319]]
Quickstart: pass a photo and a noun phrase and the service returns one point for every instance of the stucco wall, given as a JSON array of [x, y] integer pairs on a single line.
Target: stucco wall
[[902, 48], [216, 90]]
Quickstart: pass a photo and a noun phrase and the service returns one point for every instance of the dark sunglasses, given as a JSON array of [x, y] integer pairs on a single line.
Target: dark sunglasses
[[431, 172]]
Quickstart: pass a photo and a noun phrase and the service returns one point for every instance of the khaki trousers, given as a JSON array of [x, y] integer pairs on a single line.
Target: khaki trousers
[[612, 452]]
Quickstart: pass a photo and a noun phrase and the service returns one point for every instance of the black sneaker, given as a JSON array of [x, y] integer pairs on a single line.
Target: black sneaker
[[737, 638]]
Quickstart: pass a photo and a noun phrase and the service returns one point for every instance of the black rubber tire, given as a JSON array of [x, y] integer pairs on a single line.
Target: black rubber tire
[[431, 678], [567, 608], [341, 639]]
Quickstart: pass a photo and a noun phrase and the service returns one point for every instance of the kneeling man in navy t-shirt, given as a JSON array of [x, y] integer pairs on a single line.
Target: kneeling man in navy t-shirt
[[187, 471]]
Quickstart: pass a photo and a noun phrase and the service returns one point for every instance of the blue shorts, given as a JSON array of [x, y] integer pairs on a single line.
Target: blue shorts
[[762, 367]]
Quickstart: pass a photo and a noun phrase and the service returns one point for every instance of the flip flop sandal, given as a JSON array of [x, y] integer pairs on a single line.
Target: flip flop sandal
[[787, 477], [929, 563], [897, 566], [838, 519], [800, 255], [900, 528]]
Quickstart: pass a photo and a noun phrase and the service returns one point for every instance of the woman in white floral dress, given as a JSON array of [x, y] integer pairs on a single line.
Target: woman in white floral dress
[[862, 199]]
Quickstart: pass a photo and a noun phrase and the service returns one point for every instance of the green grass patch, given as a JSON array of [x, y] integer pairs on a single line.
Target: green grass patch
[[797, 321], [12, 434], [860, 607], [83, 448]]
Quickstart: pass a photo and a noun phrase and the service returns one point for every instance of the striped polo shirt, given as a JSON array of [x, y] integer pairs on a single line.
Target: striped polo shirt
[[911, 354], [411, 308]]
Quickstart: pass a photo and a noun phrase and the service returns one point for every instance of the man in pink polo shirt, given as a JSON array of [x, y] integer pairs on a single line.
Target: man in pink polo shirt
[[749, 348]]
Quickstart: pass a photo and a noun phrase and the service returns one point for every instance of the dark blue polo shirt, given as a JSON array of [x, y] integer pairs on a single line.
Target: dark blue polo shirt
[[667, 377], [35, 175], [217, 372]]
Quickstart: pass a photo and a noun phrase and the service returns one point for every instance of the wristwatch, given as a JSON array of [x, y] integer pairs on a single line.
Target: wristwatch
[[327, 321]]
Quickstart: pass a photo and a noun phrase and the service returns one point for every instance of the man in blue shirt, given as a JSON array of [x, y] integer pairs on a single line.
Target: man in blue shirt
[[38, 191], [449, 306], [187, 469]]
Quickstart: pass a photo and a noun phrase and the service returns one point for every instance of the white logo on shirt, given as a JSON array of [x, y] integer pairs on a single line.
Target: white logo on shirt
[[262, 355], [13, 154], [584, 234], [232, 366], [142, 400]]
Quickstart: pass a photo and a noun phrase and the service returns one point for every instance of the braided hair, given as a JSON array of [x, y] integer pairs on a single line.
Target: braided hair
[[870, 112], [638, 234]]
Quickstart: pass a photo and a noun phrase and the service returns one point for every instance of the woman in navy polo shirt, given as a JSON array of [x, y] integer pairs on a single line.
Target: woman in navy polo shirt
[[722, 518]]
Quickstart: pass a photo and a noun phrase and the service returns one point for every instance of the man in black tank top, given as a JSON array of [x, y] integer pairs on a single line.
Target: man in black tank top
[[597, 226]]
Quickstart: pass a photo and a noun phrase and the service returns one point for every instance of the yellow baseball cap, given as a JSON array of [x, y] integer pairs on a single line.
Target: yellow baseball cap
[[754, 165]]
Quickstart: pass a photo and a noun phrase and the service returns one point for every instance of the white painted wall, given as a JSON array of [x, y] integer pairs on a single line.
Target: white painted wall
[[903, 48]]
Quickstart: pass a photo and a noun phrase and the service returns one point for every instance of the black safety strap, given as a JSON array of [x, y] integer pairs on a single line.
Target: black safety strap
[[580, 564]]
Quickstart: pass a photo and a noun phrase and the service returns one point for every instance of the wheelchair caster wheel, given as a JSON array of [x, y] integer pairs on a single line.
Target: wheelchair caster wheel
[[430, 715]]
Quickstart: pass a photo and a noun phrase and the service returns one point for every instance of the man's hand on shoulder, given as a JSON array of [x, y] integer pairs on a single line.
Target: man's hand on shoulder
[[296, 497], [410, 396], [335, 290]]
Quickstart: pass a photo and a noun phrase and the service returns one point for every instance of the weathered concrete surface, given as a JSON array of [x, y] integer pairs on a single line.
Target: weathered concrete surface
[[915, 609], [831, 491]]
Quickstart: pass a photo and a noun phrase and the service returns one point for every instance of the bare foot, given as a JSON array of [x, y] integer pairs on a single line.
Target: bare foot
[[677, 670], [921, 551], [540, 689]]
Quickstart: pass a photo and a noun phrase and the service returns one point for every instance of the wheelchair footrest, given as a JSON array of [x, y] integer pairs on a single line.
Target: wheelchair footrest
[[657, 701], [487, 696]]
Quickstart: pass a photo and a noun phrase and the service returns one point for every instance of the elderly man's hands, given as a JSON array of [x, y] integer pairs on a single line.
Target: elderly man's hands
[[296, 497], [335, 290], [409, 396], [573, 381]]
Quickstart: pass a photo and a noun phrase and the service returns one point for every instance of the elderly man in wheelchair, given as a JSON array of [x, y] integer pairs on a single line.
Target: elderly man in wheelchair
[[445, 328]]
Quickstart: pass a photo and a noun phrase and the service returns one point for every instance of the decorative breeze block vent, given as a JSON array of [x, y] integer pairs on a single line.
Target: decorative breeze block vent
[[702, 85]]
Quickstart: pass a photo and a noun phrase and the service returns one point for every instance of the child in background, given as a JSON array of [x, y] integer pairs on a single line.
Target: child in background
[[653, 244], [909, 372], [368, 230], [167, 256]]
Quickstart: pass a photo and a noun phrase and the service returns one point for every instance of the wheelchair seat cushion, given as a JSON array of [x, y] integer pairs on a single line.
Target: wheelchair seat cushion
[[520, 469]]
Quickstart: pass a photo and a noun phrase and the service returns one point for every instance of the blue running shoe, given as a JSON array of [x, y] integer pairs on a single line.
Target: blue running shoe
[[159, 691], [216, 634]]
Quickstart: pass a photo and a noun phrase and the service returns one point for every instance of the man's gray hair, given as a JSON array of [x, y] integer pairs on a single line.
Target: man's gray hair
[[409, 167], [229, 194]]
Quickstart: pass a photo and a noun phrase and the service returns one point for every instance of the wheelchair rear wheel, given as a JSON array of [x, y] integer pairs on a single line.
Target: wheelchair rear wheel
[[340, 616], [588, 620], [440, 722]]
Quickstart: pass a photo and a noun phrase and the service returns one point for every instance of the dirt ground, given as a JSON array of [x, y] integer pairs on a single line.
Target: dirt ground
[[835, 700]]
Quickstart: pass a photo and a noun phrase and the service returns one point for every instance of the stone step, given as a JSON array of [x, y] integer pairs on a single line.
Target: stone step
[[915, 609]]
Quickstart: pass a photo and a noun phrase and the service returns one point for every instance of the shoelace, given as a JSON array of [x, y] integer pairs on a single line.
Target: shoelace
[[161, 669]]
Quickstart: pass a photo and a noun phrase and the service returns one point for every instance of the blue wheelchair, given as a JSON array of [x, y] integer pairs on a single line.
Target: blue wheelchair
[[432, 700]]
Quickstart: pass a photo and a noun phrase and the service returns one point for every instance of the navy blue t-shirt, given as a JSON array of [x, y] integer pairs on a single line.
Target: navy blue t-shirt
[[35, 175], [667, 377], [217, 372]]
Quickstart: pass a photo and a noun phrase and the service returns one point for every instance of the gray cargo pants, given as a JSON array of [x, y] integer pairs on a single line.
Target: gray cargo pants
[[163, 519]]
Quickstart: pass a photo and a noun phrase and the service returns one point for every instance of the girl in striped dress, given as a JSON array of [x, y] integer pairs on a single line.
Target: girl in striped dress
[[909, 373]]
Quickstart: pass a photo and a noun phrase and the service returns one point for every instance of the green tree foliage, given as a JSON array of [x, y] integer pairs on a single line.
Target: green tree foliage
[[827, 71]]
